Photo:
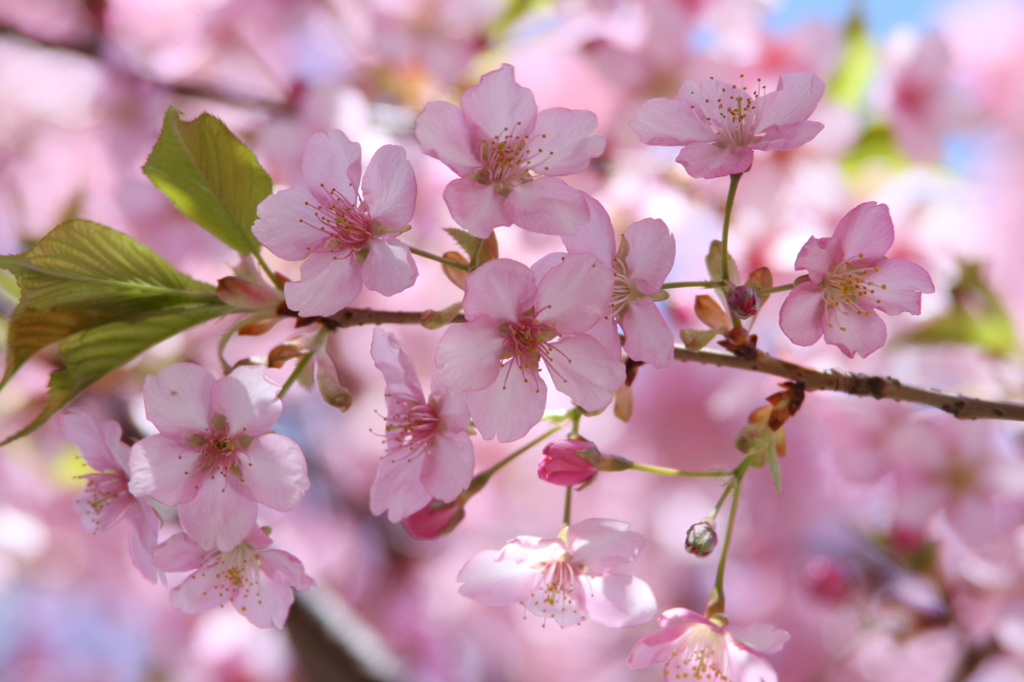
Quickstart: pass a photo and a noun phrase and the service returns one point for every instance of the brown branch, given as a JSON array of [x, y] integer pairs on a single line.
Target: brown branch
[[961, 407]]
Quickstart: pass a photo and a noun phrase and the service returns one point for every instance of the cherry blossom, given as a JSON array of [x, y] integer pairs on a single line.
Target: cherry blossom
[[106, 499], [506, 153], [695, 647], [346, 240], [640, 265], [429, 454], [849, 278], [213, 457], [719, 125], [256, 580], [568, 578], [513, 321], [568, 462]]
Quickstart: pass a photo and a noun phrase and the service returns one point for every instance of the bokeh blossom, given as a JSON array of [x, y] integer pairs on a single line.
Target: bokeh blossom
[[849, 280], [568, 578], [106, 499], [695, 647], [345, 234], [256, 580], [213, 457], [507, 154], [719, 126], [429, 454], [513, 321]]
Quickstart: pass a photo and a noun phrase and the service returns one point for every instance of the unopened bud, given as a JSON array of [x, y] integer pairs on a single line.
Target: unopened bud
[[434, 520], [701, 538], [569, 462], [744, 301]]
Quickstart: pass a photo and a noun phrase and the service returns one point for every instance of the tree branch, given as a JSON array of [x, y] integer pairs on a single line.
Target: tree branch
[[961, 407]]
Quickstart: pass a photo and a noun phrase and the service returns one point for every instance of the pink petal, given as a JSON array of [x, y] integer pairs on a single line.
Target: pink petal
[[619, 600], [448, 468], [288, 224], [451, 407], [477, 208], [671, 122], [328, 284], [498, 106], [397, 487], [548, 206], [177, 399], [652, 252], [853, 333], [561, 142], [179, 553], [864, 232], [786, 137], [659, 645], [389, 267], [468, 356], [164, 469], [510, 406], [218, 516], [145, 529], [266, 603], [904, 283], [802, 314], [201, 591], [596, 236], [495, 583], [100, 510], [501, 289], [648, 337], [248, 400], [275, 474], [100, 444], [585, 370], [284, 568], [573, 296], [794, 99], [395, 364], [708, 160], [334, 161], [761, 638], [442, 133], [818, 256], [603, 544], [389, 187]]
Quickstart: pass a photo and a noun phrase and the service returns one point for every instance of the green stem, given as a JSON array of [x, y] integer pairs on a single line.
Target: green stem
[[775, 290], [716, 604], [707, 284], [299, 366], [270, 273], [567, 514], [445, 261], [665, 471], [734, 182]]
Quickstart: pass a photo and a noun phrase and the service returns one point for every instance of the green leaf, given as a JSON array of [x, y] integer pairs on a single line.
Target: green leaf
[[82, 275], [210, 176], [713, 261], [91, 354], [472, 246]]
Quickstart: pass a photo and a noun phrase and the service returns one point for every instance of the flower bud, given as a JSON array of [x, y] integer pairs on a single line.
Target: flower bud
[[432, 521], [744, 301], [701, 538], [568, 462]]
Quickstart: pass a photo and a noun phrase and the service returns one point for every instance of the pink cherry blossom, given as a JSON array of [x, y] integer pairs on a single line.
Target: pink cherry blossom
[[213, 457], [513, 321], [434, 520], [568, 578], [256, 580], [506, 153], [719, 125], [345, 239], [568, 462], [429, 454], [697, 648], [849, 279], [641, 264], [106, 499]]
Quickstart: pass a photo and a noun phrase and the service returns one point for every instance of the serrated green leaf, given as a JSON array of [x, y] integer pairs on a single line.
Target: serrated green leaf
[[210, 176], [91, 354], [83, 275]]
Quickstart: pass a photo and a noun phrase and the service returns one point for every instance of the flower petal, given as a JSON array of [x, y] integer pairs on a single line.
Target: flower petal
[[389, 187], [794, 99], [501, 289], [442, 133], [619, 600], [477, 208], [787, 137], [802, 314], [854, 331], [218, 516], [493, 582], [561, 142], [761, 638], [548, 206], [179, 553], [328, 284], [671, 122], [395, 364], [585, 370], [448, 467], [904, 283], [332, 161], [596, 236], [652, 252], [397, 487], [574, 295], [100, 444], [603, 544], [865, 232], [165, 469], [511, 405], [177, 399], [648, 337], [468, 356], [498, 106], [289, 225], [248, 400], [276, 472], [708, 160], [266, 603], [389, 267]]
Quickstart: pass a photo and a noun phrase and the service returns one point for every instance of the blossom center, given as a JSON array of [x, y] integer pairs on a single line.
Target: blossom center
[[554, 589], [847, 283], [411, 427], [701, 655], [347, 226], [235, 572], [624, 291], [508, 158], [526, 342], [218, 450], [736, 115]]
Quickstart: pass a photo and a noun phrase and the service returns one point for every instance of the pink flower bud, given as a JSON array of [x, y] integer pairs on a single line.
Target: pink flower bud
[[744, 301], [701, 538], [431, 523], [568, 462]]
